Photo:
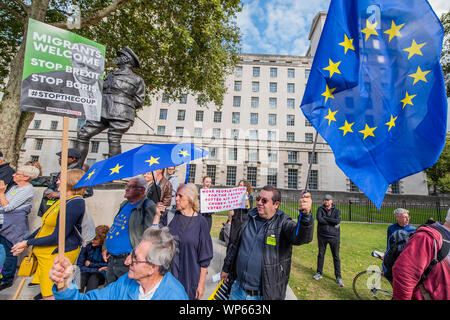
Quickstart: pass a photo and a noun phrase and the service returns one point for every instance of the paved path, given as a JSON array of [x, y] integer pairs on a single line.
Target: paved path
[[28, 293]]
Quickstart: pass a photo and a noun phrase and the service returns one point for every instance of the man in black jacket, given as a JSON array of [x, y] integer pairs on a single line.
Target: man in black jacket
[[328, 220], [6, 173], [258, 261]]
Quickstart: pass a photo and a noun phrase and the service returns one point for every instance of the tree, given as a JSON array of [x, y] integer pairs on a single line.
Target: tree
[[439, 174], [184, 47], [445, 58]]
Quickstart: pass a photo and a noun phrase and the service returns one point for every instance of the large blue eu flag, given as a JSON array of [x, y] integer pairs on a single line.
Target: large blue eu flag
[[376, 91]]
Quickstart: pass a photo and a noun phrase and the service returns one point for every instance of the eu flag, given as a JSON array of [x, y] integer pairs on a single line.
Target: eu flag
[[376, 91]]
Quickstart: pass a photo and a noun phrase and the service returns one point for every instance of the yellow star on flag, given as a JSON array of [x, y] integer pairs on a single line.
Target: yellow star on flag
[[330, 117], [370, 29], [419, 75], [333, 67], [347, 44], [391, 123], [407, 100], [115, 169], [183, 153], [328, 93], [347, 127], [414, 49], [368, 131], [152, 161], [394, 31], [90, 175]]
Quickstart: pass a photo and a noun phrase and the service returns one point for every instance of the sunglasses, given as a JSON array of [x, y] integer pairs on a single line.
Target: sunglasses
[[263, 200]]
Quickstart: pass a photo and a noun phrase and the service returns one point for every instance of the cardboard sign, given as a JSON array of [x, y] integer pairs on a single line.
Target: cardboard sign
[[217, 200], [62, 73]]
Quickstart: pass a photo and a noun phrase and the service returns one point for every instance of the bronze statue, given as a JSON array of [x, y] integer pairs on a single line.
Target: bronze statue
[[123, 93]]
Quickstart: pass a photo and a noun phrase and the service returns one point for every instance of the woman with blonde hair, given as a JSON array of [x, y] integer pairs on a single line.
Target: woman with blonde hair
[[190, 230], [45, 239]]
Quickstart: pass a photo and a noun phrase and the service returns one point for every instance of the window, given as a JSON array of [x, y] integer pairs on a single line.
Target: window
[[237, 85], [216, 133], [272, 155], [198, 132], [236, 117], [236, 101], [292, 156], [199, 115], [37, 124], [38, 144], [252, 155], [291, 73], [272, 119], [313, 183], [162, 114], [217, 116], [231, 175], [253, 118], [290, 136], [34, 159], [235, 133], [256, 71], [192, 169], [309, 137], [161, 130], [255, 86], [273, 87], [211, 171], [24, 141], [353, 187], [292, 178], [165, 98], [272, 102], [273, 72], [179, 131], [395, 187], [253, 134], [80, 124], [272, 176], [183, 99], [291, 87], [290, 120], [181, 115], [255, 102], [307, 123], [251, 175], [307, 71], [238, 71], [291, 103], [53, 125], [212, 152], [94, 146], [271, 135], [314, 158], [232, 154]]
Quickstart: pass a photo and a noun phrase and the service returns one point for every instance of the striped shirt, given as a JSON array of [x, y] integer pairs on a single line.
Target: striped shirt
[[17, 197]]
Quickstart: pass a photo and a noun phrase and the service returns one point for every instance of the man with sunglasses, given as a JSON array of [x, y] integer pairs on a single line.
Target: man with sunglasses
[[148, 278], [259, 259]]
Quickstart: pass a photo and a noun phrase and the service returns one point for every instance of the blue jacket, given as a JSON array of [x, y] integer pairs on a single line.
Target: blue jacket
[[94, 255], [125, 289]]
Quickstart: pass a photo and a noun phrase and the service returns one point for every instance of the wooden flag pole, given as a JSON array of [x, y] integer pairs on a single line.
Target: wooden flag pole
[[63, 193]]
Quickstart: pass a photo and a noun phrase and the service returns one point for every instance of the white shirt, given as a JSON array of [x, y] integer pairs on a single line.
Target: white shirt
[[148, 295]]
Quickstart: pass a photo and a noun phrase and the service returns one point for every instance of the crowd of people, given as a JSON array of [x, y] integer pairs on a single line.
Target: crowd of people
[[159, 245]]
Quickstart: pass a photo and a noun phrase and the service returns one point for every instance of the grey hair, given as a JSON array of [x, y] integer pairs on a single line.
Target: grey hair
[[140, 180], [399, 211], [29, 171], [163, 248]]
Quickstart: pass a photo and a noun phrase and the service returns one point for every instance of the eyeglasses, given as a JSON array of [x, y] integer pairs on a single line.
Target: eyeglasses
[[263, 200], [134, 261]]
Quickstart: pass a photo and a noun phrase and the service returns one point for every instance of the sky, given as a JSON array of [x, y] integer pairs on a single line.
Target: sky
[[282, 26]]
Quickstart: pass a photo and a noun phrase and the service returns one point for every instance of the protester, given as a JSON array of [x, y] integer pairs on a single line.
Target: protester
[[39, 181], [173, 179], [206, 184], [134, 216], [402, 216], [165, 192], [240, 215], [148, 278], [91, 263], [224, 234], [152, 191], [6, 173], [190, 230], [45, 239], [15, 205], [328, 233], [259, 260], [420, 250]]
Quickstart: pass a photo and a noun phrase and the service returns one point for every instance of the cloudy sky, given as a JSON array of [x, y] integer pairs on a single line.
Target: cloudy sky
[[282, 26]]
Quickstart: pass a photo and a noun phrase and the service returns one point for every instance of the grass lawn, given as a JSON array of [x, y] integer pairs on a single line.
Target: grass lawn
[[358, 240]]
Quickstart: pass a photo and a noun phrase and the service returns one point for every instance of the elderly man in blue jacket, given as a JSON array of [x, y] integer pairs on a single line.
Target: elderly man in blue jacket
[[148, 277]]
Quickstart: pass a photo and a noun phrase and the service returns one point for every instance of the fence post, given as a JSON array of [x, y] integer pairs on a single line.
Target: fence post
[[438, 207], [350, 210]]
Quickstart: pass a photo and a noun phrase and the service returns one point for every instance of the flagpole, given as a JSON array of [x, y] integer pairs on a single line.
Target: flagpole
[[63, 193], [310, 162]]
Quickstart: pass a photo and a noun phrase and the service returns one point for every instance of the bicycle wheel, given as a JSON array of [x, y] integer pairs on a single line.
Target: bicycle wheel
[[372, 285]]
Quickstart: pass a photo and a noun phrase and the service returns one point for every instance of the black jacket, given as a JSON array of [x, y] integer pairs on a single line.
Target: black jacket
[[277, 253], [328, 222], [6, 173]]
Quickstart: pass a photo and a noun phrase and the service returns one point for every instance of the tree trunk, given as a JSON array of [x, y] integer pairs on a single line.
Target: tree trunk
[[13, 122]]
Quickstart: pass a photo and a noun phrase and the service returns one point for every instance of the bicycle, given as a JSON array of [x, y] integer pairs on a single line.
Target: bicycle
[[371, 284]]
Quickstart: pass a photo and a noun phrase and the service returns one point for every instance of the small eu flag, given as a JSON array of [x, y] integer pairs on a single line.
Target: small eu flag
[[376, 91]]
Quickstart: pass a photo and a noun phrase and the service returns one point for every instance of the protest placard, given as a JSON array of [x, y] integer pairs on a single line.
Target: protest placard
[[217, 200], [62, 73]]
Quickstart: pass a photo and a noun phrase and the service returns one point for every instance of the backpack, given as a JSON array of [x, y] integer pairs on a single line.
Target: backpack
[[87, 229], [397, 243]]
